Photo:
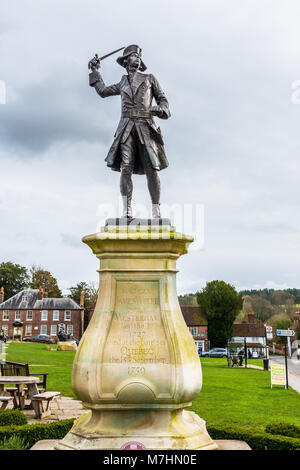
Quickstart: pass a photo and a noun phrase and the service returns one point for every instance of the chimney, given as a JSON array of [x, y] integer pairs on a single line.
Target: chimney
[[41, 293], [1, 295], [251, 317], [82, 298]]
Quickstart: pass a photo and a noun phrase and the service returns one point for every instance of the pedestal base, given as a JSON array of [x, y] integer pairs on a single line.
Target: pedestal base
[[138, 429], [66, 346]]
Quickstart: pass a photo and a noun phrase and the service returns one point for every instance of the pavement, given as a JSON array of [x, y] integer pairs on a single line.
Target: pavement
[[65, 408]]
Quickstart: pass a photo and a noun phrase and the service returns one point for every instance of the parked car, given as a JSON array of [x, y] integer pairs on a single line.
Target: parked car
[[215, 352], [40, 339]]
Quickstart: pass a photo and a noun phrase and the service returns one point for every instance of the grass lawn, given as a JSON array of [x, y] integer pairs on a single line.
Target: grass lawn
[[229, 395], [244, 397], [58, 364]]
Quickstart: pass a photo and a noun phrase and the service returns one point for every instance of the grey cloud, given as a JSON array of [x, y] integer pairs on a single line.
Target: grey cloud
[[232, 141], [58, 107]]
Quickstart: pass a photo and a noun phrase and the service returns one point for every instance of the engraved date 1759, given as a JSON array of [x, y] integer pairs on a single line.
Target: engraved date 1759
[[136, 371]]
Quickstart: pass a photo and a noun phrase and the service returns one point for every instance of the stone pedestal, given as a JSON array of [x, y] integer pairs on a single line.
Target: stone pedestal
[[137, 367], [66, 346]]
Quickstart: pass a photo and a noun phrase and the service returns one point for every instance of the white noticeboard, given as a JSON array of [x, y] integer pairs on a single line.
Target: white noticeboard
[[278, 376]]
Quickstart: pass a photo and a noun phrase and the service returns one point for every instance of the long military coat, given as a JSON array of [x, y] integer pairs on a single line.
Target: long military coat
[[137, 102]]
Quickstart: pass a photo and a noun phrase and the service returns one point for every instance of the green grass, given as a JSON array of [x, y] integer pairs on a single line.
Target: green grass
[[229, 395], [243, 397], [58, 364]]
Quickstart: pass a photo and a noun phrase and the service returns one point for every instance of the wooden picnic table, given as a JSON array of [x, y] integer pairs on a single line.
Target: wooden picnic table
[[19, 381]]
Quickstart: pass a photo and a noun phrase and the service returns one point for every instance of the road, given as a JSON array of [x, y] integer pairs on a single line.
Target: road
[[293, 363]]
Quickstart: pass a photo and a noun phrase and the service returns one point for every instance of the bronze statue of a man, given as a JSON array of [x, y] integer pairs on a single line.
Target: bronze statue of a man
[[138, 145]]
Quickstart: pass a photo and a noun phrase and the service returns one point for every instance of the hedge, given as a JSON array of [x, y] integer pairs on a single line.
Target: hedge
[[10, 417], [284, 429], [256, 440], [31, 433]]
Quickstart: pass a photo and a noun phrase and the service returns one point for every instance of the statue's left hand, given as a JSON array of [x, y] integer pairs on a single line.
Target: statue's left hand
[[155, 110]]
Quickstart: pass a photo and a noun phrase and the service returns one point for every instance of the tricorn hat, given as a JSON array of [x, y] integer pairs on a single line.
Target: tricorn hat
[[126, 53]]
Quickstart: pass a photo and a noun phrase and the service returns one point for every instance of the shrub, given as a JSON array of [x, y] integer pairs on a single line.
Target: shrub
[[9, 417], [284, 429], [13, 443], [31, 433], [256, 440]]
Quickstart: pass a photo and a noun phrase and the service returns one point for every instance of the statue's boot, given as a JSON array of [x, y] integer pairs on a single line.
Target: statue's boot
[[127, 209], [156, 211]]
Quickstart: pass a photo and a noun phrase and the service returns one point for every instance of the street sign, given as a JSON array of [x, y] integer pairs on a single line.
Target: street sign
[[278, 375], [269, 332], [285, 332]]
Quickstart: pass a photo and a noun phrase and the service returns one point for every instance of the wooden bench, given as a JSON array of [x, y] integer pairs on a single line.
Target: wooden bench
[[5, 400], [48, 397], [9, 368], [17, 368]]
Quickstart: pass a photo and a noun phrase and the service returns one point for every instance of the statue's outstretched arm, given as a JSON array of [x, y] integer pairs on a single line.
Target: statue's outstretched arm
[[96, 81]]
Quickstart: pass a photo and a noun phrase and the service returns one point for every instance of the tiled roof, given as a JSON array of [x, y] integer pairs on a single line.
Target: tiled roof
[[193, 316], [254, 330], [32, 302]]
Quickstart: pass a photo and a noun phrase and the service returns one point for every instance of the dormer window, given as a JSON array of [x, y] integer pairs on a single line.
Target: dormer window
[[24, 298]]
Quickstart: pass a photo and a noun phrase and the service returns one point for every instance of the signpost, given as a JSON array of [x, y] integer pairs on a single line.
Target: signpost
[[269, 332], [287, 334]]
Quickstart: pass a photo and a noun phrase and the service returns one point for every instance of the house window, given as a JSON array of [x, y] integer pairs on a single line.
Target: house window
[[44, 316], [53, 330], [18, 315], [55, 315], [29, 315], [24, 298], [193, 331], [28, 330], [70, 330], [68, 315], [43, 329], [5, 315]]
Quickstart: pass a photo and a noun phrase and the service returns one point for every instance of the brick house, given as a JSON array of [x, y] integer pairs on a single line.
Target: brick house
[[197, 324], [253, 333], [30, 313]]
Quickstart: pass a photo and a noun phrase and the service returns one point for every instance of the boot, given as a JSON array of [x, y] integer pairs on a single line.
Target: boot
[[156, 211], [127, 210]]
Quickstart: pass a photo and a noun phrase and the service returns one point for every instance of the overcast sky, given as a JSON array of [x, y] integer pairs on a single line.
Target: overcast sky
[[233, 140]]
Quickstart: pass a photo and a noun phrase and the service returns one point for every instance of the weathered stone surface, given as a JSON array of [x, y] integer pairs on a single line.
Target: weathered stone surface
[[66, 346], [232, 445], [222, 445], [137, 366]]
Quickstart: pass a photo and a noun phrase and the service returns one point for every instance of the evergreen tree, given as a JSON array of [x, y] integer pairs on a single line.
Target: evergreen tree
[[221, 304]]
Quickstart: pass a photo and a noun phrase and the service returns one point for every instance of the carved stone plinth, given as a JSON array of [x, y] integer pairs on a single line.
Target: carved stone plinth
[[137, 367]]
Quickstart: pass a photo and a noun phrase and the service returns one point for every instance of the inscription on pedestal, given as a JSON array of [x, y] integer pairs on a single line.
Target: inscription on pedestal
[[137, 344]]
